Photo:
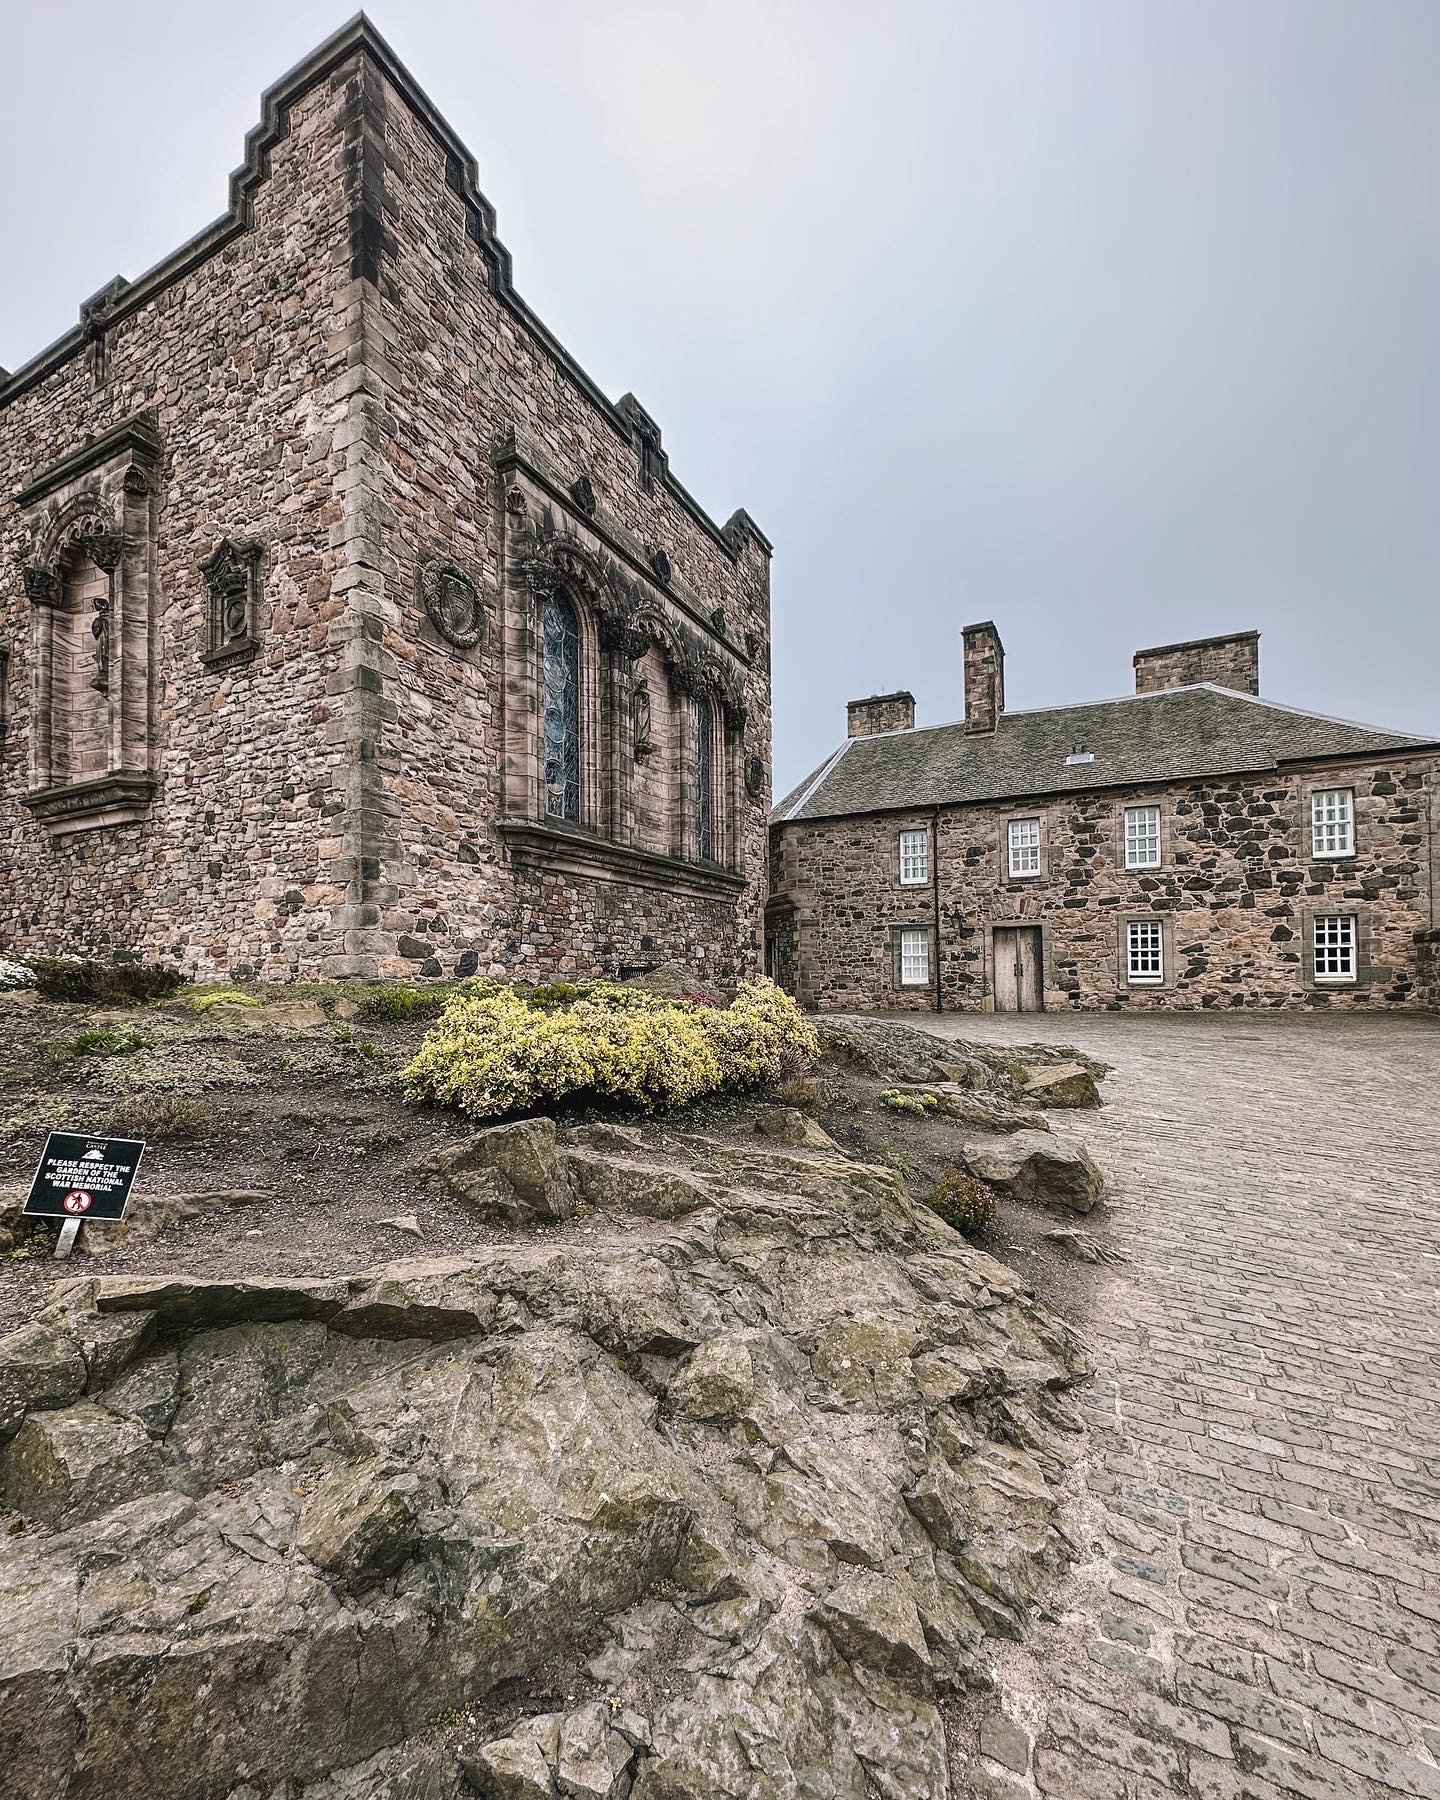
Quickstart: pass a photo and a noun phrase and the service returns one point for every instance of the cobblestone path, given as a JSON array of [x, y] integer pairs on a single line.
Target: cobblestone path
[[1255, 1609]]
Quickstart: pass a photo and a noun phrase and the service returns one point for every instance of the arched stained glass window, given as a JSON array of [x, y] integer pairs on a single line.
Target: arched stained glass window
[[705, 786], [562, 709]]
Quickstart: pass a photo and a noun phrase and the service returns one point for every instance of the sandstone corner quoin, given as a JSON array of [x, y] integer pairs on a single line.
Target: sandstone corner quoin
[[1190, 846], [349, 629]]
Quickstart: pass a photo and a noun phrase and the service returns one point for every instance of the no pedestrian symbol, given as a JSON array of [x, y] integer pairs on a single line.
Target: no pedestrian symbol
[[84, 1177]]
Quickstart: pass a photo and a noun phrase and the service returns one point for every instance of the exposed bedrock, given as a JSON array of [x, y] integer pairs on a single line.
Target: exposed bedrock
[[767, 1454]]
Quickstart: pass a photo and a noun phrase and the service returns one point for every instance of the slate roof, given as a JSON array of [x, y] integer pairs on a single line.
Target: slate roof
[[1178, 734]]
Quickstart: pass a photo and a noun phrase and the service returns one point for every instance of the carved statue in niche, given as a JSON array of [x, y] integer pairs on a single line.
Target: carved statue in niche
[[107, 547], [643, 722]]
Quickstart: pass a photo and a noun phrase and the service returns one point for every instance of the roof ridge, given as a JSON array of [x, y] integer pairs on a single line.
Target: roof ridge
[[1306, 712], [1183, 687], [821, 773]]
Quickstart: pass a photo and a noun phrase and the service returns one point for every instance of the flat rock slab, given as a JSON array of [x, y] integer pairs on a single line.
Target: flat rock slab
[[185, 1300], [1058, 1084]]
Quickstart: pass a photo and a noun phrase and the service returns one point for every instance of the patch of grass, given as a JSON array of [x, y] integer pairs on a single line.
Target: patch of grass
[[160, 1116], [112, 984], [103, 1041], [396, 1000], [962, 1201], [902, 1163], [201, 1003]]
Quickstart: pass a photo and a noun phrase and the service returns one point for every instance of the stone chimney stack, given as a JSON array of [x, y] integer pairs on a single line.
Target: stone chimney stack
[[1232, 662], [984, 677], [881, 712]]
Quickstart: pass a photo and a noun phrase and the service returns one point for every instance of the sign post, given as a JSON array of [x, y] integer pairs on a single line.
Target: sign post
[[82, 1177]]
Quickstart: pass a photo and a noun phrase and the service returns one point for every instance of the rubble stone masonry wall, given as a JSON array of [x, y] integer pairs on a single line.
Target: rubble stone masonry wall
[[1236, 894], [235, 365], [482, 431], [339, 382]]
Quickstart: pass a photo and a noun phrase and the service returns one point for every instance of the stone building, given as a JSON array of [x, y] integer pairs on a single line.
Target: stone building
[[346, 627], [1189, 846]]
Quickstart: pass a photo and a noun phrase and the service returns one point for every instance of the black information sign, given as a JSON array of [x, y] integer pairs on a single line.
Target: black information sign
[[84, 1177]]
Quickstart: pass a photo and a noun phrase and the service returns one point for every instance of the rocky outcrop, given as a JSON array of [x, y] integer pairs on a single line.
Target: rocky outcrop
[[1023, 1074], [756, 1450], [1034, 1165], [788, 1125], [984, 1109], [510, 1173]]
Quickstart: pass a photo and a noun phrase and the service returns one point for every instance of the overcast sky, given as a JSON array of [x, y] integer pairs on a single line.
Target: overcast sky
[[1112, 320]]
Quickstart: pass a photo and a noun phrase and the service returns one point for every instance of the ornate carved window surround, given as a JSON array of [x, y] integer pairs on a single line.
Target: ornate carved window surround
[[620, 613], [514, 454], [91, 520]]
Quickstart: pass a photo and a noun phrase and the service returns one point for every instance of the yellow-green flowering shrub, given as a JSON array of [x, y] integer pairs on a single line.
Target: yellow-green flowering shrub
[[761, 1038], [494, 1054]]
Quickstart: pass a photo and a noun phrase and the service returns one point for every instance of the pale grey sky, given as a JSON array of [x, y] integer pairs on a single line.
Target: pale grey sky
[[1112, 320]]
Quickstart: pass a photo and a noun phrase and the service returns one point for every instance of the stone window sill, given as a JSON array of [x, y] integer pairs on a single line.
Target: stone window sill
[[120, 798], [571, 850]]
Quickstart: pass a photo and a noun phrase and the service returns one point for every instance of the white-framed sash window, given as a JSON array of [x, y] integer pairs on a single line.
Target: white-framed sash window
[[1332, 822], [1024, 848], [914, 858], [914, 958], [1142, 837], [1144, 953], [1335, 947]]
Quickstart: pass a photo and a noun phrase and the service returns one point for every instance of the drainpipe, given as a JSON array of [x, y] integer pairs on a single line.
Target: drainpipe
[[935, 893]]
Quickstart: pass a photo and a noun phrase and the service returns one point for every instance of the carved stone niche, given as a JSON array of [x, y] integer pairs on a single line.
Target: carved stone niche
[[88, 578], [232, 577]]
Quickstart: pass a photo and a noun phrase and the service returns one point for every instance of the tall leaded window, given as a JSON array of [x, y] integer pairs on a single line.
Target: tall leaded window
[[1332, 822], [705, 785], [1024, 847], [914, 858], [1144, 953], [562, 709], [1335, 947], [1142, 837]]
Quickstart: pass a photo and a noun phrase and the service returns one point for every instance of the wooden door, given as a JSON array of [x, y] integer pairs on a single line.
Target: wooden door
[[1016, 952]]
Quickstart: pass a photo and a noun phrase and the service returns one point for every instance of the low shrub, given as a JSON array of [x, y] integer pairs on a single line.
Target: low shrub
[[160, 1116], [15, 975], [113, 984], [962, 1201], [921, 1105], [494, 1053], [201, 1003]]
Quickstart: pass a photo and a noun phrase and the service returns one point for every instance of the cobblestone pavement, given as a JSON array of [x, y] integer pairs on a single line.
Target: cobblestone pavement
[[1255, 1609]]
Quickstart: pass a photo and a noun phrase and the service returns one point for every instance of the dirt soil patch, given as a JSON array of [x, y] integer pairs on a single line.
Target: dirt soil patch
[[305, 1109]]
